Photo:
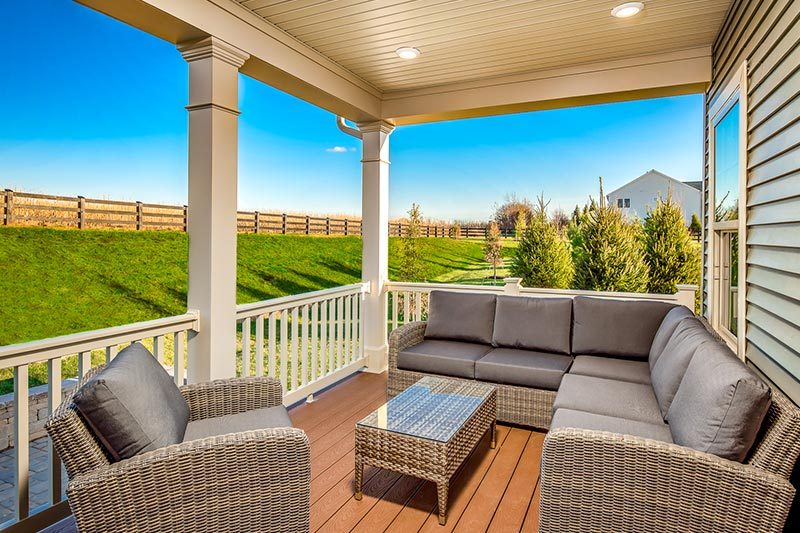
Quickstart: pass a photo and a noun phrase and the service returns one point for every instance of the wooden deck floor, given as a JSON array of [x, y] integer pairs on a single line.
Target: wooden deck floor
[[496, 490]]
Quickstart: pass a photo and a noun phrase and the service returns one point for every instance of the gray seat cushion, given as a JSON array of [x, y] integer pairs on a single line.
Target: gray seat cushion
[[720, 404], [567, 418], [670, 368], [460, 316], [633, 401], [133, 406], [665, 331], [541, 324], [523, 367], [266, 418], [449, 358], [611, 368], [620, 328]]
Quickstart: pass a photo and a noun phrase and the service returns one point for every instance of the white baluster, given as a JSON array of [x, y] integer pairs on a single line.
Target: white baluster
[[304, 359], [246, 347], [53, 401], [295, 343], [21, 440], [271, 347], [314, 341], [178, 364], [259, 345], [284, 349]]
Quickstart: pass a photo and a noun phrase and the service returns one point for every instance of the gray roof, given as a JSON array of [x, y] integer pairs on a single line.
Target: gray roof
[[696, 184]]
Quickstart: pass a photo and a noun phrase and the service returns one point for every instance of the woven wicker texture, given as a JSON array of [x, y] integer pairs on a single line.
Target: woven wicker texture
[[515, 405], [597, 481], [251, 481]]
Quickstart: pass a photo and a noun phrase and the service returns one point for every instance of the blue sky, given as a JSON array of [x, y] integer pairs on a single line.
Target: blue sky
[[94, 107]]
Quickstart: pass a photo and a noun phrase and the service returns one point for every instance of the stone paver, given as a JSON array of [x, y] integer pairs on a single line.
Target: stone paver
[[39, 478]]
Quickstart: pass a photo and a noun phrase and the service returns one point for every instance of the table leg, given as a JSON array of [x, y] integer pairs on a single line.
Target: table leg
[[441, 490], [494, 434], [359, 476]]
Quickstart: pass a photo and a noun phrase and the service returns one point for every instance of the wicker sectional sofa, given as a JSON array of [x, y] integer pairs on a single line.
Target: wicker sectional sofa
[[654, 424]]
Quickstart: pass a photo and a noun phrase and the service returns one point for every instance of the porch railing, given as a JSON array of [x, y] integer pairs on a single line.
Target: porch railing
[[408, 302], [166, 337], [308, 341]]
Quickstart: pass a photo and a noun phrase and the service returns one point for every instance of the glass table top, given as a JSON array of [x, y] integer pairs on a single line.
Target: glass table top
[[432, 408]]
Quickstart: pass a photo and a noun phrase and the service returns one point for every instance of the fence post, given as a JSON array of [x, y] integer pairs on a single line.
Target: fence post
[[328, 226], [428, 231], [8, 208], [512, 286], [283, 223], [257, 221], [139, 215], [308, 225], [346, 227], [185, 218], [81, 212]]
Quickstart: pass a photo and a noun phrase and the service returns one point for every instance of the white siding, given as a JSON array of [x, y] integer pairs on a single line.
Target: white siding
[[645, 191]]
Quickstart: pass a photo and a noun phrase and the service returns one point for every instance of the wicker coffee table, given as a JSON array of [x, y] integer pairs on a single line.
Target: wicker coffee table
[[427, 431]]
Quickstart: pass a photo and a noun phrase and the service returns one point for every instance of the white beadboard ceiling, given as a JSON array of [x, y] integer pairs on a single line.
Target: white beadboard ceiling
[[463, 40]]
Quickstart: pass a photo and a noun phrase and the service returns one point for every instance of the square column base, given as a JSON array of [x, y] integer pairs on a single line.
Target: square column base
[[377, 358]]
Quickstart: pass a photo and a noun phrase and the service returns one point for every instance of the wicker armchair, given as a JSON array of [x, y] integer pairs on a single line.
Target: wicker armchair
[[598, 481], [249, 481]]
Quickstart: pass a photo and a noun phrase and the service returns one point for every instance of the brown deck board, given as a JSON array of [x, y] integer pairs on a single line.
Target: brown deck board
[[496, 489]]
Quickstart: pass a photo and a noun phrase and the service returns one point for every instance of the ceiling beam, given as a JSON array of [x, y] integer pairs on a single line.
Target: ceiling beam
[[276, 58], [668, 74]]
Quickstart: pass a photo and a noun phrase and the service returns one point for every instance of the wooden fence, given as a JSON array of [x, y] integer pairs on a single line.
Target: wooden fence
[[29, 209]]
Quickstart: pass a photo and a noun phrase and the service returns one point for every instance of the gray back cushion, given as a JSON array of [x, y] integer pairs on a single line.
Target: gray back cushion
[[620, 328], [132, 406], [460, 316], [668, 372], [665, 331], [720, 404], [542, 324]]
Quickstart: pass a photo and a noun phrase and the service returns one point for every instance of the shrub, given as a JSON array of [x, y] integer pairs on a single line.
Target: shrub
[[696, 228], [520, 225], [492, 248], [542, 258], [410, 250], [455, 230], [609, 255], [671, 255], [506, 214]]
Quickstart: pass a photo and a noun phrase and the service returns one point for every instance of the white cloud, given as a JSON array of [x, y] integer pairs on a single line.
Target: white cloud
[[339, 149]]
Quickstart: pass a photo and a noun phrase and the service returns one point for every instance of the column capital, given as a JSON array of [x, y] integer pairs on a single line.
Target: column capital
[[213, 47], [378, 125]]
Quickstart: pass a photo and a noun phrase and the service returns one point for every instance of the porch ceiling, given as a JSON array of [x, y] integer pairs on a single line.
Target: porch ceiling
[[466, 40]]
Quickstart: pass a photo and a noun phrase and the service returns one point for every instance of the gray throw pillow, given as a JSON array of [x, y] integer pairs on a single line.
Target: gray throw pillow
[[460, 316], [665, 331], [670, 368], [619, 328], [542, 324], [720, 404], [133, 406]]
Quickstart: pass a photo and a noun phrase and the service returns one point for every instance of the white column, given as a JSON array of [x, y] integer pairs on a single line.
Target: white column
[[375, 234], [213, 131]]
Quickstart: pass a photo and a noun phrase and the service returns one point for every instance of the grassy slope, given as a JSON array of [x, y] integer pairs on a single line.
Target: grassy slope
[[54, 282]]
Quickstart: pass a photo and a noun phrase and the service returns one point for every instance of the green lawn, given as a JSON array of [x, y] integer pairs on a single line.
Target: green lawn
[[54, 282]]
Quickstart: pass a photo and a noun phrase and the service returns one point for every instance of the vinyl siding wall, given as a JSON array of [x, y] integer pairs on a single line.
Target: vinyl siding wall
[[767, 34]]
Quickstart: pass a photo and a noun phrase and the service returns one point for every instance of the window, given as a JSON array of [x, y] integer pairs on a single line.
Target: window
[[619, 203], [627, 202], [727, 179], [623, 202]]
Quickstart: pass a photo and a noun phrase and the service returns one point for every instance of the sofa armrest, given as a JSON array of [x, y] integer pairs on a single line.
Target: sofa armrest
[[403, 337], [598, 481], [230, 396], [250, 481]]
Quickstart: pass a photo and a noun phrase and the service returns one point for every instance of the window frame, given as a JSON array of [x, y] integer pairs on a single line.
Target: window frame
[[735, 91]]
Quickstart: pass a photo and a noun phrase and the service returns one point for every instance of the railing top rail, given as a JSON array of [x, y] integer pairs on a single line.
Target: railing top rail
[[412, 286], [276, 304], [42, 350]]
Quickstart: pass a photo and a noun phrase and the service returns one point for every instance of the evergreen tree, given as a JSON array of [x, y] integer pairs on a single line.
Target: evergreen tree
[[410, 247], [696, 227], [520, 225], [670, 253], [492, 248], [609, 254], [542, 258]]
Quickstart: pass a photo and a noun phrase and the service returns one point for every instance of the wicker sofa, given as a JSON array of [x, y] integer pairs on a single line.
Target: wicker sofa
[[654, 424], [236, 465]]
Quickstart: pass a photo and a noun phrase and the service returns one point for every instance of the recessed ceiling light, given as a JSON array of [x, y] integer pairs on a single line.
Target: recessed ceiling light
[[407, 52], [628, 9]]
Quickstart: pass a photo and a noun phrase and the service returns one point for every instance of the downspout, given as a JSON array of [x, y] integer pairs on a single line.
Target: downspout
[[342, 125]]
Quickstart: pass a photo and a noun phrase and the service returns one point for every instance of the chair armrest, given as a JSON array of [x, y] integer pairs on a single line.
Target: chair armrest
[[598, 481], [230, 396], [403, 337], [250, 481]]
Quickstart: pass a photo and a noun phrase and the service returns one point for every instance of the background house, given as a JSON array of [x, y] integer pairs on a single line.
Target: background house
[[641, 194]]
